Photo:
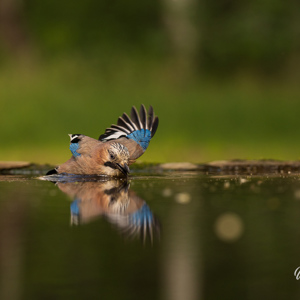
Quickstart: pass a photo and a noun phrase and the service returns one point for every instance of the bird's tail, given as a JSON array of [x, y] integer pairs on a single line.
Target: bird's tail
[[51, 172]]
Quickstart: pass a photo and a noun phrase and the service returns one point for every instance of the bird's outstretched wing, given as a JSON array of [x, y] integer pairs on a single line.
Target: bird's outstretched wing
[[138, 129]]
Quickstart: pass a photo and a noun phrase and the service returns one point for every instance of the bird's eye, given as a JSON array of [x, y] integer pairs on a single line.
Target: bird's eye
[[112, 157]]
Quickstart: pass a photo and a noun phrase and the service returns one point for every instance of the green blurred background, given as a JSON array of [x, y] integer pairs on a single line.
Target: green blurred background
[[223, 76]]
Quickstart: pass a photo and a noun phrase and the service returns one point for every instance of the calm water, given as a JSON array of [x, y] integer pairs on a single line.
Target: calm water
[[167, 236]]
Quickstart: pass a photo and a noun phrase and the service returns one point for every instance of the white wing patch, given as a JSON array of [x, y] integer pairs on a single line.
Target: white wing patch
[[116, 135]]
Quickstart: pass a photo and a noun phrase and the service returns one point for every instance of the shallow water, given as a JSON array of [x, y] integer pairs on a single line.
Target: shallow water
[[172, 235]]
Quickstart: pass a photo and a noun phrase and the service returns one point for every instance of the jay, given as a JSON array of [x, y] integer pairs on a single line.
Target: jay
[[115, 150]]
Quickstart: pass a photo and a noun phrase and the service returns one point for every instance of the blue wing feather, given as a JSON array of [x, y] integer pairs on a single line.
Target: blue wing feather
[[74, 147], [142, 137]]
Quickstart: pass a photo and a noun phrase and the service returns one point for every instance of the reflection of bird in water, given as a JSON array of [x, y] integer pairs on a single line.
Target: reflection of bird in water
[[116, 202]]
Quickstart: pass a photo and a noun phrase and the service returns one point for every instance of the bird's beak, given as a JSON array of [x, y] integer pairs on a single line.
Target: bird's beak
[[124, 168]]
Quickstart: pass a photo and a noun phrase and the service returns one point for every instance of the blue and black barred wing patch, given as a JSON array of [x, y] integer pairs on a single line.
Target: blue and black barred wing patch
[[139, 127], [74, 143]]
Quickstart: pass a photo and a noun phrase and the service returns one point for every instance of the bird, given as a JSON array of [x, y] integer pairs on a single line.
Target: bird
[[115, 150]]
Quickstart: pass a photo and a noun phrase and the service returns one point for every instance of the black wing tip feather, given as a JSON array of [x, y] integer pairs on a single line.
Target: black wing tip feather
[[136, 121], [154, 126], [103, 136], [122, 123], [135, 117], [143, 116]]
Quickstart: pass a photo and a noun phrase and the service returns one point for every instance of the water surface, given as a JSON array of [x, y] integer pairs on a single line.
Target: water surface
[[172, 235]]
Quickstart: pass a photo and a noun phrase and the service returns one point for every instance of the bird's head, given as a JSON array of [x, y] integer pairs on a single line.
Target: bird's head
[[117, 157]]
